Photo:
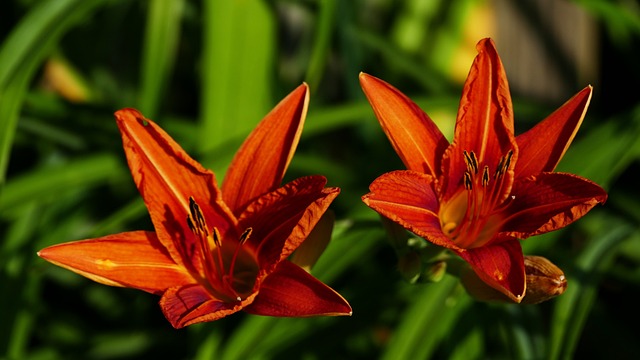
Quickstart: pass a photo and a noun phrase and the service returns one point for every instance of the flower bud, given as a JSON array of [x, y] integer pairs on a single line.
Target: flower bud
[[544, 281], [433, 271], [409, 266]]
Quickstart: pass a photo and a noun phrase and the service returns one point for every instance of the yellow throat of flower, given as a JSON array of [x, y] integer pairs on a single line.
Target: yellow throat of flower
[[472, 216]]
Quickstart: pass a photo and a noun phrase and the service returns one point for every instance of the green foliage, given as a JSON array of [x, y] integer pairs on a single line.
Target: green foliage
[[207, 72]]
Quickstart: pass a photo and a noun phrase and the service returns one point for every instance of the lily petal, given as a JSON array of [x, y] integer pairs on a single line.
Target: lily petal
[[484, 123], [413, 135], [166, 177], [291, 291], [192, 304], [260, 164], [294, 210], [501, 266], [308, 253], [407, 198], [542, 147], [485, 116], [132, 259], [550, 201]]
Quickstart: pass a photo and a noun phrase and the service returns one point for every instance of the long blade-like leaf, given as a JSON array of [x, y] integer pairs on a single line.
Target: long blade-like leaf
[[237, 65], [572, 309], [22, 53]]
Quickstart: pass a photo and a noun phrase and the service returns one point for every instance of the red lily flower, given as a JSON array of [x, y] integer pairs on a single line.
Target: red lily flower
[[215, 251], [478, 195]]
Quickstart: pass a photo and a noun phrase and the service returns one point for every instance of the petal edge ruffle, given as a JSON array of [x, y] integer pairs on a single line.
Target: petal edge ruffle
[[294, 209], [408, 198], [550, 201], [192, 304]]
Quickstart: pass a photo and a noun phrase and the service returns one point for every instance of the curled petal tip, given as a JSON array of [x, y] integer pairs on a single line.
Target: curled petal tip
[[485, 43], [122, 113]]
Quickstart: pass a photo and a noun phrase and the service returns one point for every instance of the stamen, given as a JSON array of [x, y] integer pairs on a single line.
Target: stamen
[[190, 224], [503, 164], [197, 218], [508, 161], [216, 237], [485, 176], [218, 248], [475, 227], [243, 238], [497, 173], [467, 180], [471, 161], [208, 243], [245, 235], [220, 276]]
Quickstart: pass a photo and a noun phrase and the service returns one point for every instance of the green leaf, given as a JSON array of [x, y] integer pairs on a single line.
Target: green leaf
[[159, 52], [470, 347], [320, 51], [51, 182], [209, 345], [115, 222], [426, 321], [22, 53], [573, 307], [598, 157], [260, 336], [237, 65], [621, 18], [429, 78]]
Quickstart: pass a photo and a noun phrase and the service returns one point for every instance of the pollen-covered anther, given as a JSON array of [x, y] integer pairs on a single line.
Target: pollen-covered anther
[[485, 176], [471, 161], [245, 235], [210, 241], [195, 219], [503, 164], [468, 183]]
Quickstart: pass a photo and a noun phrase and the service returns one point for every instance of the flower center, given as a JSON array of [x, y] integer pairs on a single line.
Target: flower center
[[472, 216], [228, 265]]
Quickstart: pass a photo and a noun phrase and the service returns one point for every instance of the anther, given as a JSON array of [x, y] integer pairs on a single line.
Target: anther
[[499, 168], [471, 161], [467, 180], [193, 206], [195, 220], [485, 176], [508, 160], [245, 235], [216, 237], [190, 223], [503, 164]]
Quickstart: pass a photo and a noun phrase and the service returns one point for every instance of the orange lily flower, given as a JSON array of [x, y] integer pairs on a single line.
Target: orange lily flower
[[487, 189], [215, 251]]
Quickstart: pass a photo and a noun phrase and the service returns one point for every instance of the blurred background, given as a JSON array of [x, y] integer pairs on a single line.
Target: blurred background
[[208, 71]]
